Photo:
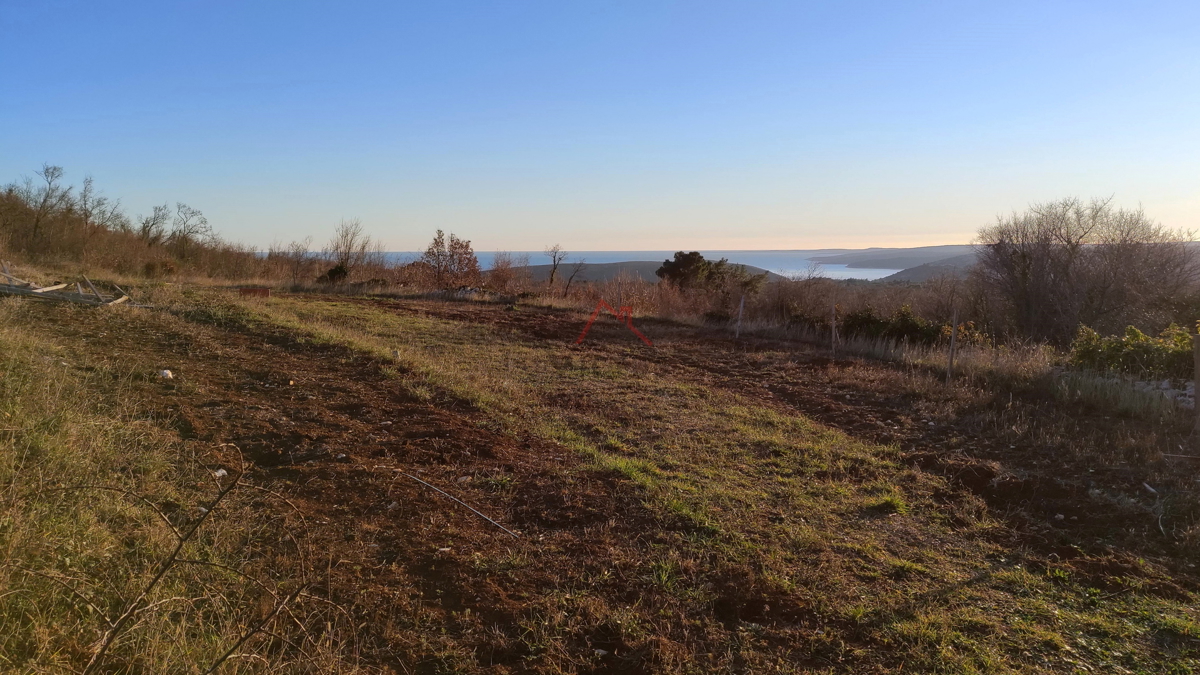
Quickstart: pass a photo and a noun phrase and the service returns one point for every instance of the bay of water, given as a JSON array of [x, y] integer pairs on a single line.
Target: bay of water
[[787, 263]]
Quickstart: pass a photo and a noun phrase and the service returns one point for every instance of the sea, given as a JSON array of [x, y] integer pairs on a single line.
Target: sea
[[785, 263]]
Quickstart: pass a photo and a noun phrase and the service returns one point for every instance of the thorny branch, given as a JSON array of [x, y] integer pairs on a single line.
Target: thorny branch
[[253, 631], [165, 566]]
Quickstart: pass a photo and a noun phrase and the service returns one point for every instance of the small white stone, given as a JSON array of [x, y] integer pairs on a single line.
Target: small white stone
[[166, 374]]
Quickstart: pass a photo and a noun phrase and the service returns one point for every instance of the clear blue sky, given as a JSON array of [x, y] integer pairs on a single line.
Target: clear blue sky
[[609, 125]]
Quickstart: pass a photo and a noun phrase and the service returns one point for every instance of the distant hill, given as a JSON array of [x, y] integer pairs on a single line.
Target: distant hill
[[635, 268], [896, 258], [957, 265]]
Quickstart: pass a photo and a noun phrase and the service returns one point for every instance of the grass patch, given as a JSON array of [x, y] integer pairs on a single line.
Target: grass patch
[[96, 490], [87, 484]]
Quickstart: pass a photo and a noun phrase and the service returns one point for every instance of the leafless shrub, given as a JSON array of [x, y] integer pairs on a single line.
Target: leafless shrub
[[576, 267], [1066, 263], [349, 249], [296, 259], [503, 273]]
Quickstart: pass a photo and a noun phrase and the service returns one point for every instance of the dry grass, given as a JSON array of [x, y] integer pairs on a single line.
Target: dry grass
[[769, 510], [96, 491], [74, 556], [773, 543]]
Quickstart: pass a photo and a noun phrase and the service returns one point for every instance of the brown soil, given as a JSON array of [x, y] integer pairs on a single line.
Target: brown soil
[[1035, 473], [1042, 476], [325, 427]]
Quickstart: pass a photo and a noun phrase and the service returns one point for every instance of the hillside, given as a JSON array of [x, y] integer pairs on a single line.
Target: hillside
[[428, 486], [954, 266], [896, 258]]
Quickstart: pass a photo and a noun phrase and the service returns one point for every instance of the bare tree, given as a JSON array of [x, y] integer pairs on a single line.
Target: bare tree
[[576, 268], [98, 213], [501, 274], [1066, 263], [50, 198], [557, 255], [189, 227], [152, 229], [296, 258], [299, 258]]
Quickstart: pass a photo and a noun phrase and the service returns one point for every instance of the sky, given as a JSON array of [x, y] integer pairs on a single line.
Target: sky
[[609, 125]]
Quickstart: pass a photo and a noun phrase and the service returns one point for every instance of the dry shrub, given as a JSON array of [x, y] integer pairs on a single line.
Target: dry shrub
[[509, 273], [1065, 263]]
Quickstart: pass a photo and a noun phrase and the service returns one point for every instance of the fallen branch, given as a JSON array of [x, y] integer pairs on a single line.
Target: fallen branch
[[11, 278], [446, 494]]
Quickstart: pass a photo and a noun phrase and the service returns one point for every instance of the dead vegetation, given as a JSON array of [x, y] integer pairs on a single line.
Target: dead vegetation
[[746, 505], [709, 504]]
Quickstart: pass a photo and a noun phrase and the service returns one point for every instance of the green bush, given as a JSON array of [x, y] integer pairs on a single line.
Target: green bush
[[1135, 353], [902, 326]]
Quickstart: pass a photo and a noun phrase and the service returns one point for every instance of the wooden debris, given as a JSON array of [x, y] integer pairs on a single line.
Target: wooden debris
[[49, 288], [93, 287], [21, 287]]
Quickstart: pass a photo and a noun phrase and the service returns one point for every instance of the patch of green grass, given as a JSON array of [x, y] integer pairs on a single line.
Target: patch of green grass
[[1176, 626], [889, 504]]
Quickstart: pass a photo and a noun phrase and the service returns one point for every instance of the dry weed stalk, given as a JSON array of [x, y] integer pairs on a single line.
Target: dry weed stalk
[[116, 626]]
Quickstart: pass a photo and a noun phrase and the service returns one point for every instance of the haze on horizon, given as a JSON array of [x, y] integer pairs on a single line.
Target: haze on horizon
[[610, 126]]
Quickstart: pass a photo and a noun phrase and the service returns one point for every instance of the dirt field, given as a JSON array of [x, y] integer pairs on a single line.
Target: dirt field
[[708, 504]]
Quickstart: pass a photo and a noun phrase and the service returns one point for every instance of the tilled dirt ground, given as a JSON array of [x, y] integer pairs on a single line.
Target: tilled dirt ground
[[1024, 452], [339, 445], [325, 427]]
